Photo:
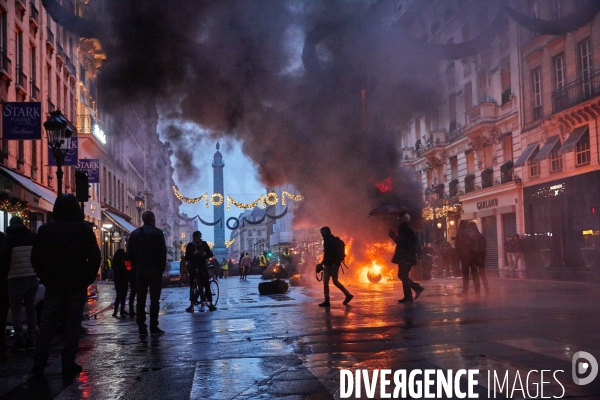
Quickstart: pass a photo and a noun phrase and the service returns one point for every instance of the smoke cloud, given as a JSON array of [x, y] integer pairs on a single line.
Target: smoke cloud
[[285, 78]]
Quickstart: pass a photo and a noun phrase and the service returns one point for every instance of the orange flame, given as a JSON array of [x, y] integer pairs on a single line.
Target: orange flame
[[374, 262]]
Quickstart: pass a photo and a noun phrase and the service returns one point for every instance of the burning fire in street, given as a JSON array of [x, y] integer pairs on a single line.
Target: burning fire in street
[[374, 266]]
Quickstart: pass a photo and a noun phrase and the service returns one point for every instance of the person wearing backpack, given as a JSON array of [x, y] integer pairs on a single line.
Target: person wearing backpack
[[467, 247], [406, 256], [333, 256]]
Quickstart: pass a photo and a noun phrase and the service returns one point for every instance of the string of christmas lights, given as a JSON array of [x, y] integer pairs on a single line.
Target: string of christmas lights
[[440, 212], [15, 207], [217, 199]]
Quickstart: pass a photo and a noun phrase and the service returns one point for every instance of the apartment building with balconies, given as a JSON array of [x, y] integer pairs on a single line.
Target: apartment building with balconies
[[560, 164], [464, 148], [33, 70]]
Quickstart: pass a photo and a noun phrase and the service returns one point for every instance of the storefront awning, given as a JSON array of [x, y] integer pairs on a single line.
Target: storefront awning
[[119, 221], [29, 185], [547, 148], [529, 150], [575, 136]]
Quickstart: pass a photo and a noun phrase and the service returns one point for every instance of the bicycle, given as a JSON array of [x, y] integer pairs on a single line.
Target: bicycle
[[214, 290]]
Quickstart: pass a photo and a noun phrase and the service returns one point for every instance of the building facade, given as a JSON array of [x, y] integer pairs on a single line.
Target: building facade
[[513, 144]]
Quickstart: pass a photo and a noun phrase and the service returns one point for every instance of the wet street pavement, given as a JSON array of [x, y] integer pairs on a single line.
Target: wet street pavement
[[285, 346]]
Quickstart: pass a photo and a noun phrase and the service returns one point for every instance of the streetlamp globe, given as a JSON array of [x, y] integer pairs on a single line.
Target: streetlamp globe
[[59, 139], [139, 203]]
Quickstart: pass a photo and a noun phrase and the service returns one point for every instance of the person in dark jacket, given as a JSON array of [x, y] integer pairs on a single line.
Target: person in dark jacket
[[331, 266], [131, 278], [120, 278], [197, 254], [4, 301], [465, 240], [480, 259], [406, 256], [23, 282], [147, 251], [66, 258]]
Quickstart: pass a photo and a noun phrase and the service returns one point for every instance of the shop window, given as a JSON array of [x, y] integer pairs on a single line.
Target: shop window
[[582, 150], [469, 183], [556, 160], [487, 178]]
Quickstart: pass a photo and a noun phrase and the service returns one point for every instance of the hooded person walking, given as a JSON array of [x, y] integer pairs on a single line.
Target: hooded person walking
[[23, 283], [66, 258], [406, 256]]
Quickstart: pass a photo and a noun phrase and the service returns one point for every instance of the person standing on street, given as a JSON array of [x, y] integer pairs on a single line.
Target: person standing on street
[[4, 301], [468, 247], [121, 282], [406, 256], [245, 265], [225, 268], [197, 253], [333, 248], [519, 265], [66, 258], [23, 283], [131, 278], [480, 259], [148, 254]]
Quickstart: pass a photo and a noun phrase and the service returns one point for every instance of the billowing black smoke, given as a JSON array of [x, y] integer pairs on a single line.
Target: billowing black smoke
[[286, 78]]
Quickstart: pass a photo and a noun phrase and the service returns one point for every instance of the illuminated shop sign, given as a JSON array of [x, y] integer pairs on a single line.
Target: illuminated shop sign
[[98, 132]]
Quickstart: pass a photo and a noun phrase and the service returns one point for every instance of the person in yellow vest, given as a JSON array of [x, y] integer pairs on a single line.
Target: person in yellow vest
[[263, 260], [225, 268]]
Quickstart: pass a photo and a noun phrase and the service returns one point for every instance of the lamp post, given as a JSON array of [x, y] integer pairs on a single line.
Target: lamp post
[[139, 204], [59, 140]]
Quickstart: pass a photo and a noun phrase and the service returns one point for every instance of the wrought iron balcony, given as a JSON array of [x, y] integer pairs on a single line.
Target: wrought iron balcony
[[49, 37], [33, 15], [21, 79], [5, 65], [60, 54], [34, 94], [576, 92]]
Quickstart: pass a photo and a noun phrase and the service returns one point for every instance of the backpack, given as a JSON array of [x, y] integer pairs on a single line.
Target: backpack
[[477, 245], [339, 253]]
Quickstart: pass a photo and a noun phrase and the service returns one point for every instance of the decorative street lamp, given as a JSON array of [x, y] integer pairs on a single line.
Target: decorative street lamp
[[59, 139], [139, 204]]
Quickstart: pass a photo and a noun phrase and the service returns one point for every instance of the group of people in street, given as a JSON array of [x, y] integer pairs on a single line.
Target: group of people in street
[[63, 256]]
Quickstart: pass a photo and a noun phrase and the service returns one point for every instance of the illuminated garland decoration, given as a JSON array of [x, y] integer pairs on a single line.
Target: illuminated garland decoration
[[439, 212], [15, 206], [229, 243], [246, 206], [217, 199], [285, 194]]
